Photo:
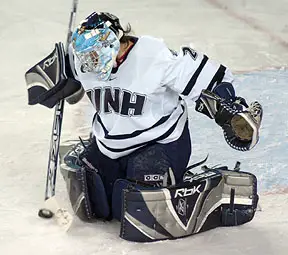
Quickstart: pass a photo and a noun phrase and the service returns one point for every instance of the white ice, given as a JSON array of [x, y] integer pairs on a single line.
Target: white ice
[[248, 36]]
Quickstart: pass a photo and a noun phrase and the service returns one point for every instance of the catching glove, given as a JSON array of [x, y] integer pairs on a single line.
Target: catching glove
[[240, 122]]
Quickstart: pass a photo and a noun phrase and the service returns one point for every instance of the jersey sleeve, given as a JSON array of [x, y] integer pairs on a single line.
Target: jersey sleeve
[[189, 72]]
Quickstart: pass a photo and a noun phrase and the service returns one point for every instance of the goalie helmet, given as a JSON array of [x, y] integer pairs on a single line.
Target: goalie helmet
[[96, 44]]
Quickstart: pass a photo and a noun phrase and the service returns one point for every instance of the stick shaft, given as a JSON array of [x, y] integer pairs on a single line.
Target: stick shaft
[[57, 122]]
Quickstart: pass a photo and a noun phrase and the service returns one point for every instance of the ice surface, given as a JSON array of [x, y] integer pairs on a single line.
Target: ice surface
[[245, 35]]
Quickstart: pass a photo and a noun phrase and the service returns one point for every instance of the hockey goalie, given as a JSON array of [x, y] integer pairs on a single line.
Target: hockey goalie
[[134, 166]]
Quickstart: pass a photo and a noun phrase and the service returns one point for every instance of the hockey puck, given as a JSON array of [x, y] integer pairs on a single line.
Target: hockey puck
[[45, 213]]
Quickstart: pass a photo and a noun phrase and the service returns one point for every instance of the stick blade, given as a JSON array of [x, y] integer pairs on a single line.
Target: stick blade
[[63, 218]]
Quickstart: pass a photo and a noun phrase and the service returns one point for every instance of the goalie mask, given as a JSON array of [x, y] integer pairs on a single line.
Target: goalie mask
[[96, 44]]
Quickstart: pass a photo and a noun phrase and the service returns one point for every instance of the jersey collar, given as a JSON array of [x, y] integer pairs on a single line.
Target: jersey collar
[[123, 58]]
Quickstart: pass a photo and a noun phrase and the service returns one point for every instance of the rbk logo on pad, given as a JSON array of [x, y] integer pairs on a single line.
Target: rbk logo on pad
[[185, 200], [185, 192], [49, 62]]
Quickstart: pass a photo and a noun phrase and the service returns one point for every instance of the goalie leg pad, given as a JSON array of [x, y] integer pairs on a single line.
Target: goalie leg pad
[[239, 197], [98, 197], [109, 169], [203, 203], [85, 187], [119, 187], [169, 213], [77, 191]]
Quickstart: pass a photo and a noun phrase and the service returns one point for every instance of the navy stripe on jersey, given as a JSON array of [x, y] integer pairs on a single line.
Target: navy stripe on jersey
[[162, 137], [133, 134], [195, 76], [218, 77]]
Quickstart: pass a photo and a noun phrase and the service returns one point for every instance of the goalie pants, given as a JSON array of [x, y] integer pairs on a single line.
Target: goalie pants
[[149, 164]]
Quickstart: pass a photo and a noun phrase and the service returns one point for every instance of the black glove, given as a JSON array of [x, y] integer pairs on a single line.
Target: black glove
[[242, 131], [227, 109], [239, 122]]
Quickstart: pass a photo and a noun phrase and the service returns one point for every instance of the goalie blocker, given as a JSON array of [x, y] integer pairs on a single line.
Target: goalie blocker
[[216, 197], [50, 80]]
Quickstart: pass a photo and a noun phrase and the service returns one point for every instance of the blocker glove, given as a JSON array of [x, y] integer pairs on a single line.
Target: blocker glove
[[49, 82]]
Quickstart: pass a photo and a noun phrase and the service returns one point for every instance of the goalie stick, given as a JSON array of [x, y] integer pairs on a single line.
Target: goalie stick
[[51, 207]]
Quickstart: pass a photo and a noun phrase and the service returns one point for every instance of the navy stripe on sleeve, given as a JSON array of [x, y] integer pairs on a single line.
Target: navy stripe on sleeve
[[218, 77], [195, 76]]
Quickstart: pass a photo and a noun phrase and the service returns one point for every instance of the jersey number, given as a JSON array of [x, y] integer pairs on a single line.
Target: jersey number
[[193, 54]]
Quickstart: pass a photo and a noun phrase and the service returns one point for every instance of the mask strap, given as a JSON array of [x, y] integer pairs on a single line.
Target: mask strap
[[120, 32]]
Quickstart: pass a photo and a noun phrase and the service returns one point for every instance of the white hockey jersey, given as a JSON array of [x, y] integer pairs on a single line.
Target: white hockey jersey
[[142, 102]]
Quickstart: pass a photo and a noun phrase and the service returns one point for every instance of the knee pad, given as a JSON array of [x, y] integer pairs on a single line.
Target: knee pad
[[150, 165]]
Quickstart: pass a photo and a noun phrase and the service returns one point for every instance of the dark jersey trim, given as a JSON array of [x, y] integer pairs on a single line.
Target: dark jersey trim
[[218, 77], [133, 134], [162, 137], [195, 76]]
